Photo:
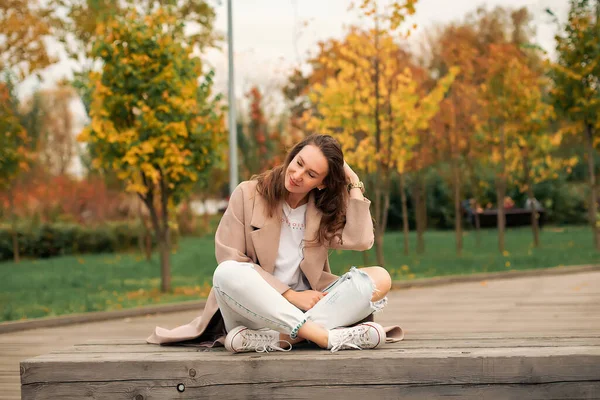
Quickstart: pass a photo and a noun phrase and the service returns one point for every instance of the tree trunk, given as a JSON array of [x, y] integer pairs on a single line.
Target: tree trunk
[[476, 196], [457, 211], [534, 213], [593, 190], [148, 245], [366, 262], [165, 253], [13, 226], [145, 239], [420, 212], [164, 244], [378, 228], [368, 188], [501, 192], [404, 213], [477, 229], [162, 233]]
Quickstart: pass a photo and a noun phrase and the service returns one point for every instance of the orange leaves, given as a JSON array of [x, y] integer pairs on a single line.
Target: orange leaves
[[23, 29]]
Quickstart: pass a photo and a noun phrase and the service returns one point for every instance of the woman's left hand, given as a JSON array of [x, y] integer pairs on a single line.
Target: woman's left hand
[[350, 174]]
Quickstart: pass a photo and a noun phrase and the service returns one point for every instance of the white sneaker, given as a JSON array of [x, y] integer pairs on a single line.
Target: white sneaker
[[368, 335], [242, 339]]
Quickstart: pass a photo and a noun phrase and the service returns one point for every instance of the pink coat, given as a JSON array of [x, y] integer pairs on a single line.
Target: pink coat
[[247, 234]]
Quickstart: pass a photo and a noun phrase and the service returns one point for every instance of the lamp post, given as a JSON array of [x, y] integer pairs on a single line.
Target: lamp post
[[233, 164]]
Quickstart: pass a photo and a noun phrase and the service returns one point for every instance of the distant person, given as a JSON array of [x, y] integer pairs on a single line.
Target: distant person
[[273, 286], [536, 203]]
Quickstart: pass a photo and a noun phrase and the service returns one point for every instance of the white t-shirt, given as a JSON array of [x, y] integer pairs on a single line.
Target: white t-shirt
[[291, 248]]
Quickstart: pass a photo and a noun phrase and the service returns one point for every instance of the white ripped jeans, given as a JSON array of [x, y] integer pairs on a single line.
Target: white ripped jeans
[[246, 299]]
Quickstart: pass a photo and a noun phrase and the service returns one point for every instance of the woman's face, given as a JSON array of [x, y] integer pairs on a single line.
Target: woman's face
[[306, 171]]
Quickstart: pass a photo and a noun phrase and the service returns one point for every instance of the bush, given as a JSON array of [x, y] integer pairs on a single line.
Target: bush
[[50, 240]]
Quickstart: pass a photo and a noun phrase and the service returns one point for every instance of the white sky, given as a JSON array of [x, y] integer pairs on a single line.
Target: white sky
[[270, 36]]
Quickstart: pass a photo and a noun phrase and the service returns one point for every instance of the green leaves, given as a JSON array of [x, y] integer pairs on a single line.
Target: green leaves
[[152, 121]]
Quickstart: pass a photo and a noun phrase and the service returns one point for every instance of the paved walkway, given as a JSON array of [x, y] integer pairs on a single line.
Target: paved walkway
[[536, 307]]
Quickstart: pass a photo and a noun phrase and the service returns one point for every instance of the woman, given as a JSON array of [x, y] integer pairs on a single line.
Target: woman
[[273, 286]]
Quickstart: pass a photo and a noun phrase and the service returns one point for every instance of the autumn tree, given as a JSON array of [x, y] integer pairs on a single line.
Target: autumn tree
[[497, 100], [374, 109], [152, 122], [532, 159], [77, 27], [455, 126], [576, 87], [459, 142], [13, 151], [261, 147], [49, 119], [23, 28]]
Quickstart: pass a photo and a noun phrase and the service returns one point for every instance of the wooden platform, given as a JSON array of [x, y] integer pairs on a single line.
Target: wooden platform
[[524, 338], [482, 366]]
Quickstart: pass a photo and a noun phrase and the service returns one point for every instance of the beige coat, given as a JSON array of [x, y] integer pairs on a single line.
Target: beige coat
[[247, 234]]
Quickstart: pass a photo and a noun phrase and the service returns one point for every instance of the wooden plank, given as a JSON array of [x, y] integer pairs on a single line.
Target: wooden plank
[[414, 366], [165, 389], [141, 347]]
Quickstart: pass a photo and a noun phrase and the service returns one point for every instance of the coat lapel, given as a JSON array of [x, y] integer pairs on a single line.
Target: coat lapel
[[265, 234]]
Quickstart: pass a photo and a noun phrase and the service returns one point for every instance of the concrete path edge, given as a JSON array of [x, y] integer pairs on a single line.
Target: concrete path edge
[[13, 326]]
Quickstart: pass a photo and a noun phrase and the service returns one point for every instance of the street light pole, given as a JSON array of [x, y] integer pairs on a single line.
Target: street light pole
[[233, 164]]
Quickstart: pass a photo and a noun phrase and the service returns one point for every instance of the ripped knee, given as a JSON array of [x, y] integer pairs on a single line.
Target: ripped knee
[[382, 282]]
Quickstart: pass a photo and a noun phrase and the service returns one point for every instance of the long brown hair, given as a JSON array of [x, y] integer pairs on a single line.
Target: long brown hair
[[331, 201]]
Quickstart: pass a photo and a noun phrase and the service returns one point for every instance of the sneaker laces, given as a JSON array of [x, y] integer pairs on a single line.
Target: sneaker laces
[[262, 342], [350, 338]]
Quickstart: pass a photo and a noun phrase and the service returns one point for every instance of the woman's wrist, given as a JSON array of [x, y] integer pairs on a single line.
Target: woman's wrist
[[288, 294]]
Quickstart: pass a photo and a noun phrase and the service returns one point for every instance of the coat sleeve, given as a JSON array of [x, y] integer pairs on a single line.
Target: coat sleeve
[[357, 233], [230, 238]]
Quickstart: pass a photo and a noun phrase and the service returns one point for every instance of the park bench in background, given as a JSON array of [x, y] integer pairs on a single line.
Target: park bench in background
[[501, 366], [513, 217]]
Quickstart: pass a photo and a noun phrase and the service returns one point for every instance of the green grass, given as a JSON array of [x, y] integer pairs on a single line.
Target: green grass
[[74, 284], [559, 247]]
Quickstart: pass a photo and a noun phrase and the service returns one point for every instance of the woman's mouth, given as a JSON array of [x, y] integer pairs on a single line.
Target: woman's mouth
[[292, 182]]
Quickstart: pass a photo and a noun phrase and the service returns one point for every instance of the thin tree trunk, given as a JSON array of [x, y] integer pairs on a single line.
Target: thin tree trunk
[[534, 213], [476, 196], [477, 229], [165, 262], [165, 254], [501, 192], [420, 215], [162, 232], [457, 210], [593, 190], [424, 209], [366, 261], [404, 213], [13, 227], [378, 228], [145, 238], [368, 188]]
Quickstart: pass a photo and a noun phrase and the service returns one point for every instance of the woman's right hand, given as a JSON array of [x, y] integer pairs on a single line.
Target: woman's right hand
[[304, 300]]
